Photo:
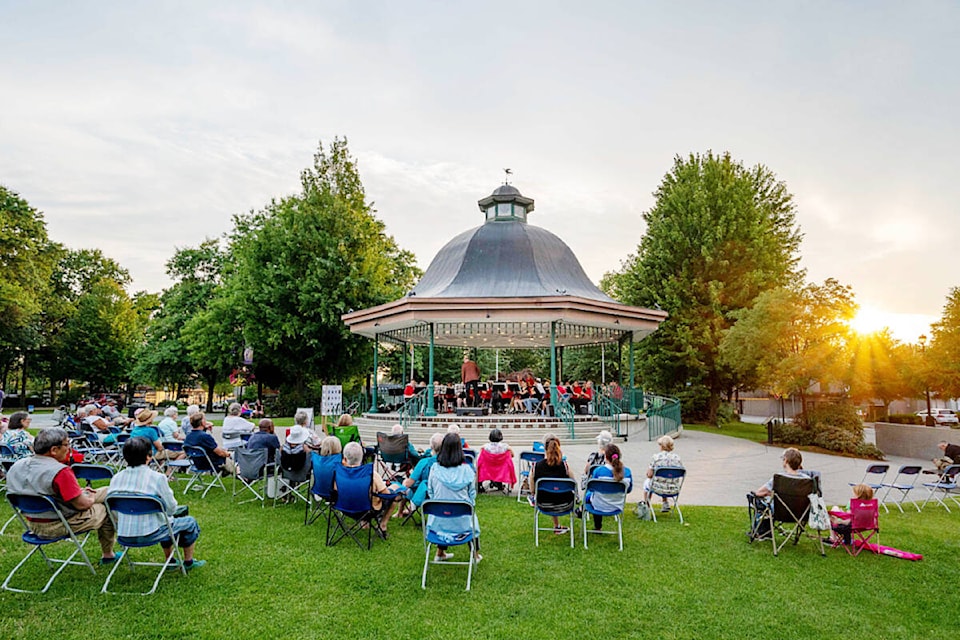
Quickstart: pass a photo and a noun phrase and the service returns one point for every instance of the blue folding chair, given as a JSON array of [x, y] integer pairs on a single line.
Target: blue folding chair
[[202, 466], [671, 489], [176, 466], [550, 499], [321, 489], [528, 459], [6, 463], [45, 507], [449, 509], [614, 492], [91, 473], [470, 457], [352, 506], [137, 505], [907, 471], [873, 477], [945, 487]]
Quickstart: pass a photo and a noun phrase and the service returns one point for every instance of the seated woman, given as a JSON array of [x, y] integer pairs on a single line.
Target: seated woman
[[612, 468], [17, 437], [494, 466], [553, 466], [416, 484], [663, 458], [596, 459], [353, 457], [451, 478]]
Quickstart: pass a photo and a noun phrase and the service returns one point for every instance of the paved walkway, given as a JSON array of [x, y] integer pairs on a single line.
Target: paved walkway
[[721, 470]]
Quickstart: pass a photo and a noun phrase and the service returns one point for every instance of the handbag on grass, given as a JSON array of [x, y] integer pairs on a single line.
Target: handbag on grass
[[818, 519]]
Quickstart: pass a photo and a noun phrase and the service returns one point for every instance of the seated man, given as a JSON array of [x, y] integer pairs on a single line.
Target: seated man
[[416, 484], [353, 457], [92, 422], [45, 473], [140, 479], [412, 453], [951, 454], [112, 413], [143, 428], [792, 463], [265, 438], [198, 437]]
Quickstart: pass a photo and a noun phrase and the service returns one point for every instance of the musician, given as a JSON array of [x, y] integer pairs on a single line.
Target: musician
[[410, 390], [470, 376], [460, 391], [517, 402]]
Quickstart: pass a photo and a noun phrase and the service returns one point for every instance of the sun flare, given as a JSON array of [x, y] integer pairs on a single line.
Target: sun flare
[[905, 327]]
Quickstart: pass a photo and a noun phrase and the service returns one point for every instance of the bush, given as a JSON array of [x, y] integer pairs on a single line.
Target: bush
[[834, 427], [904, 418]]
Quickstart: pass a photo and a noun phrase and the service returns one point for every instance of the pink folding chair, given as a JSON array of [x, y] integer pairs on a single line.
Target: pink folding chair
[[864, 524]]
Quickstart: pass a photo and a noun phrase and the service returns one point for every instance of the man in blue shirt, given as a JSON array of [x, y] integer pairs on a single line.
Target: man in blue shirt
[[198, 437]]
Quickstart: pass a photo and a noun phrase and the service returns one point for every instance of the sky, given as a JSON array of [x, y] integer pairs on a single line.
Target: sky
[[141, 127]]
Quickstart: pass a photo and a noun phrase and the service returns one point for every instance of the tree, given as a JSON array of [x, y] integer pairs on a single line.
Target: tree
[[213, 342], [878, 368], [791, 339], [944, 349], [718, 235], [305, 260]]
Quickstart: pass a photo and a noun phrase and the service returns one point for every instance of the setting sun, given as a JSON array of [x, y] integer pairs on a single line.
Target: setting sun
[[905, 327]]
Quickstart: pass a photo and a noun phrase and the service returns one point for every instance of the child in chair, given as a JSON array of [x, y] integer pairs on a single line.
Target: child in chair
[[840, 519]]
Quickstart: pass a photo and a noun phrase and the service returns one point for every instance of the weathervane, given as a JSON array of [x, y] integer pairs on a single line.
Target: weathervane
[[507, 174]]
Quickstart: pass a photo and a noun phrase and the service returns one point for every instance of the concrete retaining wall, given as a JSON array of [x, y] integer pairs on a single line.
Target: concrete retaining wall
[[913, 441]]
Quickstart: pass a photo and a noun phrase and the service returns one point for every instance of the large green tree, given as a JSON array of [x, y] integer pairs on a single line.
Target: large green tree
[[944, 352], [718, 235], [303, 261]]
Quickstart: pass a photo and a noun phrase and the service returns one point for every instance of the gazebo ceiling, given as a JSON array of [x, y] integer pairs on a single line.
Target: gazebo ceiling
[[502, 285]]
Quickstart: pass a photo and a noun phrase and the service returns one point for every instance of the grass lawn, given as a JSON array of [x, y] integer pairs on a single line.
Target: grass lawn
[[754, 432], [270, 577]]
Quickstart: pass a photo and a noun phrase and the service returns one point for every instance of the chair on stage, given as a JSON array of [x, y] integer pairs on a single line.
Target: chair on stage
[[900, 485], [496, 467], [136, 505], [25, 506]]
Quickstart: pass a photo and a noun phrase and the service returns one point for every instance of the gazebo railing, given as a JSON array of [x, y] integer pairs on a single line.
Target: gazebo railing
[[608, 411], [565, 412], [414, 408], [663, 415]]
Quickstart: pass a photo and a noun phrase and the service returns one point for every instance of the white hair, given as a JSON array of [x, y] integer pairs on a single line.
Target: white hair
[[234, 409], [170, 411], [452, 428], [300, 418], [192, 409], [436, 441], [396, 429], [353, 454]]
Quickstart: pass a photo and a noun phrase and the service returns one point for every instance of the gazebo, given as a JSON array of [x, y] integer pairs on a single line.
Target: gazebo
[[504, 284]]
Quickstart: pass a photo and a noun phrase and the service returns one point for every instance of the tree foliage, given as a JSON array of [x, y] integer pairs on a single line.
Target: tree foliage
[[718, 235], [944, 352]]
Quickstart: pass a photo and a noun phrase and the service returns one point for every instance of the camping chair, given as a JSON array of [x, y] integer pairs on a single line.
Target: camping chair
[[613, 491], [873, 477], [293, 474], [944, 487], [528, 459], [352, 502], [556, 488], [864, 523], [137, 505], [201, 466], [666, 483], [321, 491], [444, 509], [790, 506], [347, 434], [393, 455], [253, 473], [45, 507], [496, 467], [907, 471]]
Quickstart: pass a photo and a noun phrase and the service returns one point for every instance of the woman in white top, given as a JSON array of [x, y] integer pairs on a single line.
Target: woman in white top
[[234, 426]]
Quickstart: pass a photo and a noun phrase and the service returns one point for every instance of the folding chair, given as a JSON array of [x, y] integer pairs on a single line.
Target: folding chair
[[873, 477], [292, 482], [944, 487], [91, 473], [5, 464], [393, 455], [790, 506], [449, 509], [557, 489], [137, 505], [528, 459], [667, 483], [321, 491], [864, 523], [470, 457], [496, 467], [613, 491], [252, 473], [352, 502], [906, 471], [347, 434], [201, 466], [45, 507], [176, 466]]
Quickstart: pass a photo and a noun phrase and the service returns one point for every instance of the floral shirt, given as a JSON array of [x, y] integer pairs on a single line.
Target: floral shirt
[[19, 440], [664, 459]]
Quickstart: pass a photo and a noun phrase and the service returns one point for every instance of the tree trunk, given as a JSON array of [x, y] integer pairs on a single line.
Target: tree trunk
[[211, 383]]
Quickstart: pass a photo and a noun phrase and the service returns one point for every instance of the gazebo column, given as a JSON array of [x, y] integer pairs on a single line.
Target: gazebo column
[[553, 363], [431, 410], [376, 366], [632, 406], [403, 363]]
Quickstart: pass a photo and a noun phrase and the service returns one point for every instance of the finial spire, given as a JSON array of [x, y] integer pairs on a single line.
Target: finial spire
[[506, 177]]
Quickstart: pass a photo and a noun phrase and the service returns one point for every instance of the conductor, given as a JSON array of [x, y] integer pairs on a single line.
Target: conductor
[[470, 376]]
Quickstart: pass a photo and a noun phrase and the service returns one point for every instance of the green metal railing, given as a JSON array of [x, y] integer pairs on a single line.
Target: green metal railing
[[414, 408], [565, 412], [663, 415], [608, 410]]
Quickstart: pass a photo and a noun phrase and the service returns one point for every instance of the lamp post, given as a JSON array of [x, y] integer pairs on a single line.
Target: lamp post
[[929, 421]]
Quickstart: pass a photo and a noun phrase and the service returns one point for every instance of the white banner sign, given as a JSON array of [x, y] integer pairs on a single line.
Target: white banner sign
[[332, 404]]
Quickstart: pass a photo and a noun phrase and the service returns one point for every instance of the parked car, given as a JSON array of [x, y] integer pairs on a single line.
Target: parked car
[[943, 417]]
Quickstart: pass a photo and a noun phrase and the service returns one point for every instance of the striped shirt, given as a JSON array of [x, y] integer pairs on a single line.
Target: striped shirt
[[144, 481]]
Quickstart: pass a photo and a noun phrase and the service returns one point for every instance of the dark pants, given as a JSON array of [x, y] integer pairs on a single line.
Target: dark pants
[[473, 399]]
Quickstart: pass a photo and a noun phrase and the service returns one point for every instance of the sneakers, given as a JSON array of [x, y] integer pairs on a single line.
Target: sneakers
[[105, 562], [196, 564], [664, 507], [561, 531], [477, 558], [441, 556]]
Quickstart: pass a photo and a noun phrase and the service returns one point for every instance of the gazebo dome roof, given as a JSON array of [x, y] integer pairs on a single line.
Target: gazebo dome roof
[[506, 258]]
